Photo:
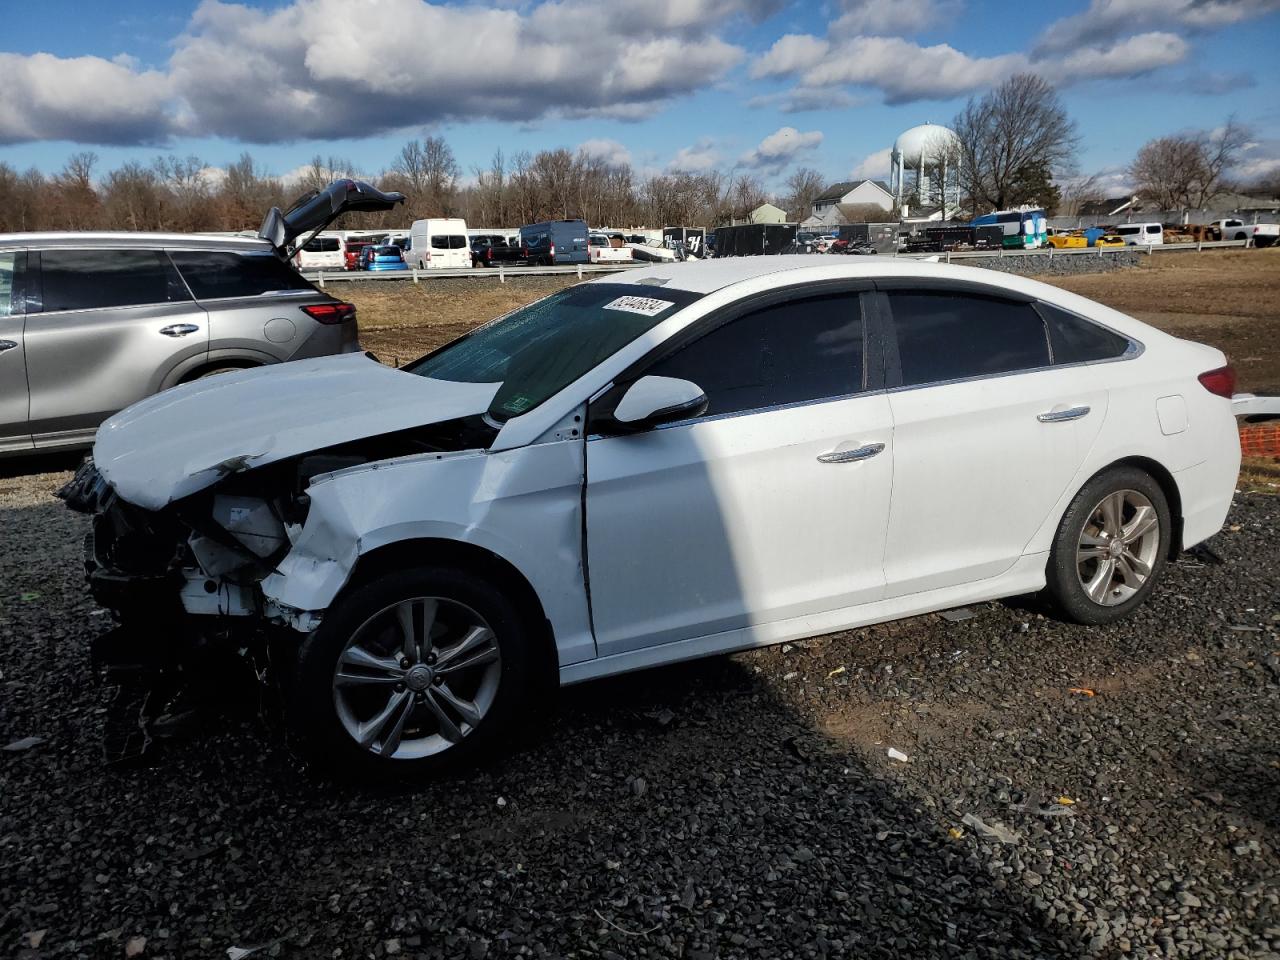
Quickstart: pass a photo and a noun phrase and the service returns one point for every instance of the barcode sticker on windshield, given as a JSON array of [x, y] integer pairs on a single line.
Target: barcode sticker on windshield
[[645, 306]]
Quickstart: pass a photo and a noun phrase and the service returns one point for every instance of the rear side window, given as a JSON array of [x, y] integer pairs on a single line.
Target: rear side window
[[801, 350], [216, 273], [96, 279], [1076, 340], [954, 336], [11, 263]]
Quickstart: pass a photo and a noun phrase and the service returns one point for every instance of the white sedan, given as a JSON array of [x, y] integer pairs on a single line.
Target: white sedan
[[685, 460]]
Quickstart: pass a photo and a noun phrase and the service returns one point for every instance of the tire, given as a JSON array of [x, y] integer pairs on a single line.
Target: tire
[[216, 371], [1079, 582], [425, 732]]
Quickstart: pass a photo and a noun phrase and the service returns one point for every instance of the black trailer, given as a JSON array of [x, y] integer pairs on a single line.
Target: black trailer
[[882, 236], [754, 239], [694, 239]]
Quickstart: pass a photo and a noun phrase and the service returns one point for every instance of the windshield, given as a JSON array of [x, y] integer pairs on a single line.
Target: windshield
[[538, 350]]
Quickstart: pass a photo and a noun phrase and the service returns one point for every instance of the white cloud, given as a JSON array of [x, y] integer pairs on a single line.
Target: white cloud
[[892, 16], [779, 148], [87, 99], [1106, 18], [610, 151], [806, 99], [1128, 58], [790, 54], [1258, 159], [874, 166], [697, 158]]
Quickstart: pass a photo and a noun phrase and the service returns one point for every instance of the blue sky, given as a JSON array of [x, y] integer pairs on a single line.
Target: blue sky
[[664, 83]]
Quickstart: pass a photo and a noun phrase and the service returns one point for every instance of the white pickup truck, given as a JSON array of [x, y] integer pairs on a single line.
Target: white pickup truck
[[1262, 234], [602, 251]]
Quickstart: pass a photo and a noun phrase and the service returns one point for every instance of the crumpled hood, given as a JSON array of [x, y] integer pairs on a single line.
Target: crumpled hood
[[180, 441]]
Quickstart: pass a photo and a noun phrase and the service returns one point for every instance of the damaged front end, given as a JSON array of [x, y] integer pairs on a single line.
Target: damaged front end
[[192, 627]]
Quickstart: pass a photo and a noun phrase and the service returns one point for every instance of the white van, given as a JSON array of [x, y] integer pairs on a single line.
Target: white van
[[439, 245], [325, 252], [1141, 233]]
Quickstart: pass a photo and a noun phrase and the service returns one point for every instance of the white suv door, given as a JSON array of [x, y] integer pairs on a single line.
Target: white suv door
[[770, 506], [987, 435]]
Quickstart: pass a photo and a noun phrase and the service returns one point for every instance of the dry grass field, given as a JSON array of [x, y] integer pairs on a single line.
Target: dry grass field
[[1230, 299]]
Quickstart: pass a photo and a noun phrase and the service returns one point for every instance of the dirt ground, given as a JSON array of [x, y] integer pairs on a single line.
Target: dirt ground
[[1230, 299]]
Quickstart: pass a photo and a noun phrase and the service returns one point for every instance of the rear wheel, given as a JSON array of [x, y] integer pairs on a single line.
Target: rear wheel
[[1110, 548], [413, 673]]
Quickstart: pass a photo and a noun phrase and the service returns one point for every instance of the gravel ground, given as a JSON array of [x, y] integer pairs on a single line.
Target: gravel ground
[[1064, 265], [741, 806]]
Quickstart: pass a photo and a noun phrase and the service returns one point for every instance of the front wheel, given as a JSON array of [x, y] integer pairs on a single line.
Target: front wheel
[[418, 671], [1110, 548]]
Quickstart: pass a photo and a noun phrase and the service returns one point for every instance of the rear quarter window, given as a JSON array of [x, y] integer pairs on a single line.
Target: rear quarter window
[[1077, 340], [212, 274]]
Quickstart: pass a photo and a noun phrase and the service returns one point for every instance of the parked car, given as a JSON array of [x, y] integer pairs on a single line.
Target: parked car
[[1262, 234], [602, 250], [556, 242], [419, 540], [1109, 240], [93, 322], [321, 253], [1141, 234], [439, 244], [382, 258], [493, 249], [823, 243], [1068, 241], [351, 250]]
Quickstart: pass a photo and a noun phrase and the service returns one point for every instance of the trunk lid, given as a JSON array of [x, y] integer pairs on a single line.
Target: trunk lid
[[314, 211]]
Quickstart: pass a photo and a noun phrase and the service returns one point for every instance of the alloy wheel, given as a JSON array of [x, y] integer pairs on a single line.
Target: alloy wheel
[[416, 678], [1118, 547]]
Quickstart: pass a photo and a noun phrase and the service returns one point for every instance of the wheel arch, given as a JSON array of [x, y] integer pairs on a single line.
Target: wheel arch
[[1168, 486], [473, 559]]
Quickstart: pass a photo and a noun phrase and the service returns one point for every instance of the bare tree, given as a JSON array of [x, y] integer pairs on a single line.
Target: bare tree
[[1184, 171], [803, 187], [1013, 138], [428, 172], [1078, 191]]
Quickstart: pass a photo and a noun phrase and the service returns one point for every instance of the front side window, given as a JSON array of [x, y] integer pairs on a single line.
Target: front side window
[[218, 273], [955, 336], [1153, 229], [792, 352], [536, 351], [97, 279]]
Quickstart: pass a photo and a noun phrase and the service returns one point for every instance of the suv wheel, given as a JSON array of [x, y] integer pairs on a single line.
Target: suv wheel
[[1110, 548], [418, 671]]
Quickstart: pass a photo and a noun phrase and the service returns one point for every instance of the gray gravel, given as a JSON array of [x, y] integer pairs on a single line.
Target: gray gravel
[[742, 806], [1063, 265]]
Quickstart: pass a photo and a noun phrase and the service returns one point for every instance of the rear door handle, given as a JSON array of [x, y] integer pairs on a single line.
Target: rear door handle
[[864, 452], [1059, 416], [7, 345], [179, 329]]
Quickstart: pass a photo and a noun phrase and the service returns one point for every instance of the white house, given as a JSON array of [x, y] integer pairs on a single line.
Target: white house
[[826, 206]]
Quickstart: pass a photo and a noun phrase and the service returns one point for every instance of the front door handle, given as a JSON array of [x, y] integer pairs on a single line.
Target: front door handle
[[179, 329], [1059, 416], [864, 452], [7, 345]]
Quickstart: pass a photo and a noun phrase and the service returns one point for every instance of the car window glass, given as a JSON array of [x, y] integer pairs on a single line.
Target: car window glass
[[217, 273], [95, 279], [951, 336], [439, 242], [1076, 340], [8, 303], [322, 245], [457, 242], [803, 349]]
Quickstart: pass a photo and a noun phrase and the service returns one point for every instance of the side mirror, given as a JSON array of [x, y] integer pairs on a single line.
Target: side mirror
[[651, 401]]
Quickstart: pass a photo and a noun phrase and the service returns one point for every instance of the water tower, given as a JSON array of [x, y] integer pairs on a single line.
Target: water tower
[[925, 163]]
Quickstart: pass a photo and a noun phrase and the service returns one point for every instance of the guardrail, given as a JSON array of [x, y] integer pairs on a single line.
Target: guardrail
[[582, 269], [501, 272]]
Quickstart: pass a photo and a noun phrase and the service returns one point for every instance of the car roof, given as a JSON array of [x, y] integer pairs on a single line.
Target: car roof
[[126, 239]]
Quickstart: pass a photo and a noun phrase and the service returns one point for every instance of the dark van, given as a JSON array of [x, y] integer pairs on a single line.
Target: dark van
[[556, 242]]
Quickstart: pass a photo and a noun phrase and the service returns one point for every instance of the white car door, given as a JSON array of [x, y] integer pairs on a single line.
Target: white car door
[[769, 506], [987, 434]]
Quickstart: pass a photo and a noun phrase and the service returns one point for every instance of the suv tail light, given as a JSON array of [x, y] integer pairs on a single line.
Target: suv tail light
[[1221, 381], [329, 313]]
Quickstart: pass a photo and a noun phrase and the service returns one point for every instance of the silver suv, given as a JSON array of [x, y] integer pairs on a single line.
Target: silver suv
[[93, 322]]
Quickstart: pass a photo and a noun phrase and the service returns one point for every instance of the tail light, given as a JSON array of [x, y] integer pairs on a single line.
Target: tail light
[[1221, 381], [553, 250], [331, 313]]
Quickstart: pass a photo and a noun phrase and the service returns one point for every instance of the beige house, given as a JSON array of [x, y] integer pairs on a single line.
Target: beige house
[[768, 213]]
